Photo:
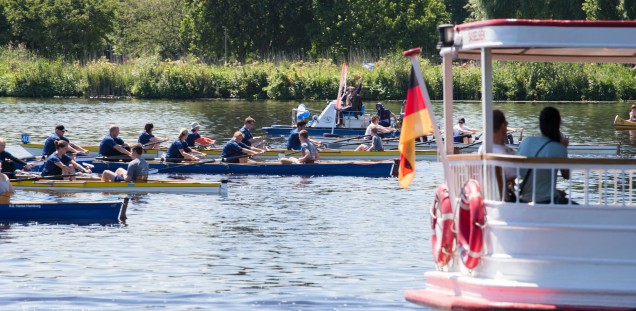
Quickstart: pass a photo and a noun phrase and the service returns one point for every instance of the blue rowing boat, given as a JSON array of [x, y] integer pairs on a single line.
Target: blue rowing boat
[[80, 213], [352, 168]]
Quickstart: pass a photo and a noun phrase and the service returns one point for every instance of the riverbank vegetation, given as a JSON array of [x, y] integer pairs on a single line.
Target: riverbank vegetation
[[25, 74], [275, 49]]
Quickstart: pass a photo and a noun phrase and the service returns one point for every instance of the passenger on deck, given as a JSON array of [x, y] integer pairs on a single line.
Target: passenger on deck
[[308, 150], [462, 133], [499, 136], [137, 168], [248, 138], [375, 119], [552, 144], [111, 145], [59, 163], [235, 151], [293, 142], [7, 160], [195, 137], [352, 101], [58, 134], [632, 114], [180, 150], [148, 140], [376, 142], [6, 189], [385, 115]]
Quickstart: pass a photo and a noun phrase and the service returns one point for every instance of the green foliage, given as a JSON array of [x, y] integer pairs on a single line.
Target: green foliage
[[537, 9], [66, 28]]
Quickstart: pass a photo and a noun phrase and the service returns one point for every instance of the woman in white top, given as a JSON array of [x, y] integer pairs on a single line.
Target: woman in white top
[[6, 189]]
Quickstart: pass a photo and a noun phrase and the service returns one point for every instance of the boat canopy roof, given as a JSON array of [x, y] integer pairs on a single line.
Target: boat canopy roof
[[547, 40]]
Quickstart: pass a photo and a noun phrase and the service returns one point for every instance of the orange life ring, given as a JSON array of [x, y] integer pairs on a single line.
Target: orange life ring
[[442, 223], [470, 222]]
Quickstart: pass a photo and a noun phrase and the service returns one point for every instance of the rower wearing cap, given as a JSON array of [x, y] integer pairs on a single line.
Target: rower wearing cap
[[195, 137], [112, 145], [384, 115], [58, 134]]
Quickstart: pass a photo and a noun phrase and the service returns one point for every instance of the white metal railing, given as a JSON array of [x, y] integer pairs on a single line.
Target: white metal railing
[[592, 182]]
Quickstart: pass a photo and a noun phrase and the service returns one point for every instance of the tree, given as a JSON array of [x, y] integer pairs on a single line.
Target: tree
[[146, 27], [74, 28], [532, 9]]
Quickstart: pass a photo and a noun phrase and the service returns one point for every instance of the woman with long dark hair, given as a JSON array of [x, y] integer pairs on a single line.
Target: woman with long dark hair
[[551, 144]]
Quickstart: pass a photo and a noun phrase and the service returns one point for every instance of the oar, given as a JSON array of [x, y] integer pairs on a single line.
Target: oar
[[155, 171], [467, 146], [348, 139], [45, 177], [154, 143], [114, 158]]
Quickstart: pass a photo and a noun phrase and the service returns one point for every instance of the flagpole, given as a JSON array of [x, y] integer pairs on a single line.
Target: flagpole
[[412, 55]]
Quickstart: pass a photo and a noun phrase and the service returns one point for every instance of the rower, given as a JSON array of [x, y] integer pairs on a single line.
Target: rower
[[58, 134], [148, 140], [293, 142], [180, 150], [60, 163], [248, 138], [309, 151], [235, 151], [112, 145], [7, 160], [195, 137], [6, 189], [137, 168]]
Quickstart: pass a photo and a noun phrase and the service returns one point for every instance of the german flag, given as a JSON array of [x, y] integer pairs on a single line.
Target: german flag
[[416, 123]]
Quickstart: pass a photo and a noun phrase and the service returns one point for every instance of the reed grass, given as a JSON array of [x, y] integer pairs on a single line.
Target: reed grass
[[24, 74]]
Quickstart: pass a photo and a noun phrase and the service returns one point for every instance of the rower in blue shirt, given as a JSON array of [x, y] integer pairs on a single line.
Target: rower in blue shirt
[[58, 134], [248, 138], [179, 150], [148, 140], [60, 163], [112, 145], [195, 137], [293, 142], [235, 151]]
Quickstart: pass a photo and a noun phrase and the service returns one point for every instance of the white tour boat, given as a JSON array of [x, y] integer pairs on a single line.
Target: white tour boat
[[491, 253]]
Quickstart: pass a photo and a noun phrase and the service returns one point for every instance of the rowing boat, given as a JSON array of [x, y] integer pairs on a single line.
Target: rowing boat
[[81, 213], [621, 124], [96, 185], [322, 168], [272, 154]]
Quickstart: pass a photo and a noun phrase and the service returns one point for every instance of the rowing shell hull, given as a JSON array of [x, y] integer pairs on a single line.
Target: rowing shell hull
[[623, 125], [67, 212], [167, 186], [273, 154], [361, 168]]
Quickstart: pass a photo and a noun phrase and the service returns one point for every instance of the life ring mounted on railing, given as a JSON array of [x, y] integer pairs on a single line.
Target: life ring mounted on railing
[[442, 224], [471, 222]]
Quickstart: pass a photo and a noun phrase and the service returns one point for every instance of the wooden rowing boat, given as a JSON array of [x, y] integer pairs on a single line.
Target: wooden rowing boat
[[81, 213], [322, 168], [96, 185], [621, 124]]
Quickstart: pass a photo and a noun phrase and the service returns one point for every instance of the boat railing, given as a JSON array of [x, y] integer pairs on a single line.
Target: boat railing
[[593, 181]]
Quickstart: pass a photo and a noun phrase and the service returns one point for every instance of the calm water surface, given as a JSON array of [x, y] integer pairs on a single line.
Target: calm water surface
[[274, 243]]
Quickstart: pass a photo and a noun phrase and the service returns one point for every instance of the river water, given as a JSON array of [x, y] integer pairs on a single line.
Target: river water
[[273, 243]]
